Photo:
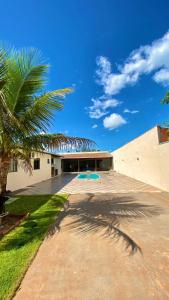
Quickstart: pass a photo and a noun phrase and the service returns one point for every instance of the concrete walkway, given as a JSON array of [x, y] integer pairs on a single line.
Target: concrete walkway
[[105, 247]]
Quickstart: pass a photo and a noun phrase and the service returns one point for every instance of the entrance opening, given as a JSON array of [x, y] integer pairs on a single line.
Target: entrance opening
[[82, 165]]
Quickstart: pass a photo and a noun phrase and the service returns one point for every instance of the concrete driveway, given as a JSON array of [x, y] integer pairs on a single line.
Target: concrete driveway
[[109, 181], [104, 247]]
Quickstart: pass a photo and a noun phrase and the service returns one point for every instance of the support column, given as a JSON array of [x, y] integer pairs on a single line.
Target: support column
[[78, 166]]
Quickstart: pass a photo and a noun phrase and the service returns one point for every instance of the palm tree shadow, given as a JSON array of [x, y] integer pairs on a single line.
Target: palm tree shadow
[[98, 213]]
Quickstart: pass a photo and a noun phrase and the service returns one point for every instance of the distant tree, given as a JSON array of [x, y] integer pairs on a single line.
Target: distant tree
[[165, 100], [88, 150]]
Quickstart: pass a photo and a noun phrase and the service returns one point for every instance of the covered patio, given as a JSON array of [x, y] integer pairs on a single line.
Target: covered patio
[[84, 161]]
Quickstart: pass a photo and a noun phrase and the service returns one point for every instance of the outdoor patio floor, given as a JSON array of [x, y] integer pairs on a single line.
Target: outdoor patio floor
[[68, 183], [109, 246]]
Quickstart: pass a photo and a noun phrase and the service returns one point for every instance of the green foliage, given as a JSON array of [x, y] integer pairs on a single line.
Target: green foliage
[[165, 100], [26, 108], [88, 150], [18, 248]]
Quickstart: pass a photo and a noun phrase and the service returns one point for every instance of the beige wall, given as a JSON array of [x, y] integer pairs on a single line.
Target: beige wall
[[21, 179], [57, 165], [145, 159]]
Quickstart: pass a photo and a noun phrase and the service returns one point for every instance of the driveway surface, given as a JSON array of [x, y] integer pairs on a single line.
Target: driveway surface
[[104, 247], [110, 181]]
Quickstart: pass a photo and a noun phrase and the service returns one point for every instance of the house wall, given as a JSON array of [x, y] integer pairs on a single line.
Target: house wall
[[57, 165], [21, 179], [145, 159]]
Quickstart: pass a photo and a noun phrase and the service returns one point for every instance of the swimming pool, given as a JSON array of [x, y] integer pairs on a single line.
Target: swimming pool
[[89, 176]]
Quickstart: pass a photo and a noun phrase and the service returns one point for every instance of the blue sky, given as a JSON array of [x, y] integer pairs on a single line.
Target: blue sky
[[94, 45]]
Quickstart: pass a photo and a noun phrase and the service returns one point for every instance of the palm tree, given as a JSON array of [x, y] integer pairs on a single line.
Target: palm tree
[[26, 110]]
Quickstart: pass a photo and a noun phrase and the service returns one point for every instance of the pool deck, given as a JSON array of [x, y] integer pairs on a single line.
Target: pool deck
[[111, 182]]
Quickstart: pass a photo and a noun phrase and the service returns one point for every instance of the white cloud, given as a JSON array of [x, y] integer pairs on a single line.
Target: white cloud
[[94, 126], [128, 111], [104, 68], [144, 60], [162, 77], [114, 121], [100, 106]]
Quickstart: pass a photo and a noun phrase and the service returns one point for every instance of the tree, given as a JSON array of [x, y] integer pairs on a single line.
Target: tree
[[26, 111], [165, 100], [87, 149]]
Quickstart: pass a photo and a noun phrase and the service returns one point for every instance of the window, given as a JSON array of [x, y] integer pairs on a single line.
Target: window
[[48, 161], [13, 166], [52, 160], [36, 164]]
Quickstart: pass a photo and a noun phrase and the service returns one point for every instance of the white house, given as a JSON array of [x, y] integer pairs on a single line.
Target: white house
[[44, 166], [144, 158]]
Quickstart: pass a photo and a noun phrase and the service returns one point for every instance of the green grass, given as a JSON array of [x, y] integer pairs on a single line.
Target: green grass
[[18, 247]]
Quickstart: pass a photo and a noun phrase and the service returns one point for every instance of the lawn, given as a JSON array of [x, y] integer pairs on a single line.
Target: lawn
[[18, 247]]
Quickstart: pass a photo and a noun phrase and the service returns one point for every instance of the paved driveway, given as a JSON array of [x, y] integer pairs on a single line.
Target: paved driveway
[[104, 247], [69, 183]]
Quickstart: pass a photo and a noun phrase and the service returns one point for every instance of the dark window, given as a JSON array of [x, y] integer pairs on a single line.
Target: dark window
[[70, 165], [52, 160], [13, 166], [36, 163], [48, 161], [87, 165]]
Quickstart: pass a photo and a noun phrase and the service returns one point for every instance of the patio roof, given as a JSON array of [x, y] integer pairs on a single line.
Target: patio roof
[[90, 155]]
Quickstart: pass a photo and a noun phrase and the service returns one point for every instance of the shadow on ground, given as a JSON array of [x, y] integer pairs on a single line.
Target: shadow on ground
[[49, 186], [105, 214]]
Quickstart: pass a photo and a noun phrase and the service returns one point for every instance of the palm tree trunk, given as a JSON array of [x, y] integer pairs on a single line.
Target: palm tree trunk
[[4, 169]]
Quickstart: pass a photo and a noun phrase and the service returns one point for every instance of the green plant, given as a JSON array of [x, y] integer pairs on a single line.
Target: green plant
[[165, 100], [18, 247], [26, 111]]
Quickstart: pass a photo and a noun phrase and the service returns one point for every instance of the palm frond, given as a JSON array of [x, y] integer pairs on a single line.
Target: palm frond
[[26, 108], [25, 78], [2, 67], [8, 121], [39, 115], [24, 156], [55, 142]]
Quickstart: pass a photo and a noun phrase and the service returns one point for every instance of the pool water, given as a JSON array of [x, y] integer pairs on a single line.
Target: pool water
[[89, 176]]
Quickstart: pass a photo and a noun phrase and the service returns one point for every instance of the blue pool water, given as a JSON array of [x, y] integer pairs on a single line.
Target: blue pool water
[[89, 176]]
